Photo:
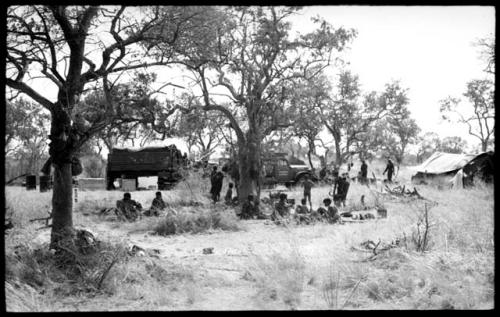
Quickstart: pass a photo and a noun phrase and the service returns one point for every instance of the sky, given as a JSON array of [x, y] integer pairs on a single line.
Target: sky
[[428, 48]]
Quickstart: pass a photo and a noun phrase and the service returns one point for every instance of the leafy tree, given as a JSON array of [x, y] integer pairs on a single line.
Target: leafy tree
[[481, 118], [428, 144], [202, 130], [247, 56], [137, 115], [73, 48], [394, 133], [26, 128], [306, 100], [453, 144], [487, 53], [349, 116]]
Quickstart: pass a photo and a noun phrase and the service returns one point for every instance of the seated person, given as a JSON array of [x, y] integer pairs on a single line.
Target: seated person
[[329, 213], [157, 205], [229, 194], [302, 212], [332, 213], [281, 208], [129, 208], [249, 209]]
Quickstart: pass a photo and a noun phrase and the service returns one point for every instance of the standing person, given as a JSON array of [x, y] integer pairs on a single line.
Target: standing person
[[342, 186], [307, 184], [217, 186], [389, 169], [212, 181], [364, 172], [335, 173]]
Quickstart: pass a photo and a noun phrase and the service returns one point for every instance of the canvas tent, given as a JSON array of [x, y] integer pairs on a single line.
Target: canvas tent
[[440, 168]]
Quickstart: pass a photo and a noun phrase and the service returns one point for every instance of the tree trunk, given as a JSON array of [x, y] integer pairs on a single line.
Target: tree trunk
[[338, 154], [484, 145], [62, 205], [249, 165], [309, 158]]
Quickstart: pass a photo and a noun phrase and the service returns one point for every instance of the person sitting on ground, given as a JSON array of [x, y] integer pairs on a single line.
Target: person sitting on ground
[[281, 208], [302, 212], [156, 206], [249, 208], [330, 213], [229, 195], [128, 207]]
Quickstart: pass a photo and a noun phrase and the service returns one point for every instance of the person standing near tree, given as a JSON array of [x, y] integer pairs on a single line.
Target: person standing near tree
[[389, 169], [307, 184], [217, 186], [212, 181], [364, 172]]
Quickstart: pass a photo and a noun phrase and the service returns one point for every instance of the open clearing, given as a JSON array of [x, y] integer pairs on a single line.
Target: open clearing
[[265, 266]]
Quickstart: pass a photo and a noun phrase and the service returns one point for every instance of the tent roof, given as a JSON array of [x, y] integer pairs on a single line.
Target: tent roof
[[440, 162]]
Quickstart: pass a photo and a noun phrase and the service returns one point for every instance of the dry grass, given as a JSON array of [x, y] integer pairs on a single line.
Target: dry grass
[[308, 267], [196, 221]]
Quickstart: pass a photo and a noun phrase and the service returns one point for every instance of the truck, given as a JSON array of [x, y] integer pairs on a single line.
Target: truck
[[276, 169], [164, 162]]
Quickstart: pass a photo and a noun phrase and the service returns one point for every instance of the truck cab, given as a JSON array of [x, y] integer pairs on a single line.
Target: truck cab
[[277, 170]]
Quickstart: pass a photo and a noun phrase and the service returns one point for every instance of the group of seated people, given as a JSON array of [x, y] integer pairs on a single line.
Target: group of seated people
[[131, 209], [282, 211]]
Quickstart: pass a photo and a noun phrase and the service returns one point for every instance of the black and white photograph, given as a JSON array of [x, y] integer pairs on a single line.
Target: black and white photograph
[[249, 157]]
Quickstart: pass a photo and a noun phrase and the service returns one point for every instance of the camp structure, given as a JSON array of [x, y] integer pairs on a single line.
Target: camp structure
[[441, 168], [128, 165]]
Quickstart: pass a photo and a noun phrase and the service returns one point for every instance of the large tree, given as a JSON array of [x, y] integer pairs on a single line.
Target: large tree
[[478, 115], [73, 47], [306, 101], [250, 59], [394, 133], [349, 116]]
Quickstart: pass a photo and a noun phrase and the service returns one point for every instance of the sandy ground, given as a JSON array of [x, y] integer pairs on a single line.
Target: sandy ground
[[228, 279]]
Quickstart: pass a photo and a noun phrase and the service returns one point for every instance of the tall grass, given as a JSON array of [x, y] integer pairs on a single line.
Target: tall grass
[[456, 271], [196, 221]]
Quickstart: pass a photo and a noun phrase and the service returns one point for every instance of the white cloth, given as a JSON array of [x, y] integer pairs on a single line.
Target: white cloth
[[457, 181]]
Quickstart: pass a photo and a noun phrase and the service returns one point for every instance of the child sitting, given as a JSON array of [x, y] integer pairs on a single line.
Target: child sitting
[[301, 212]]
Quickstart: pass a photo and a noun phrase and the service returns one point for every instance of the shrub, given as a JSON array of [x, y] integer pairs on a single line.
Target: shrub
[[196, 222]]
